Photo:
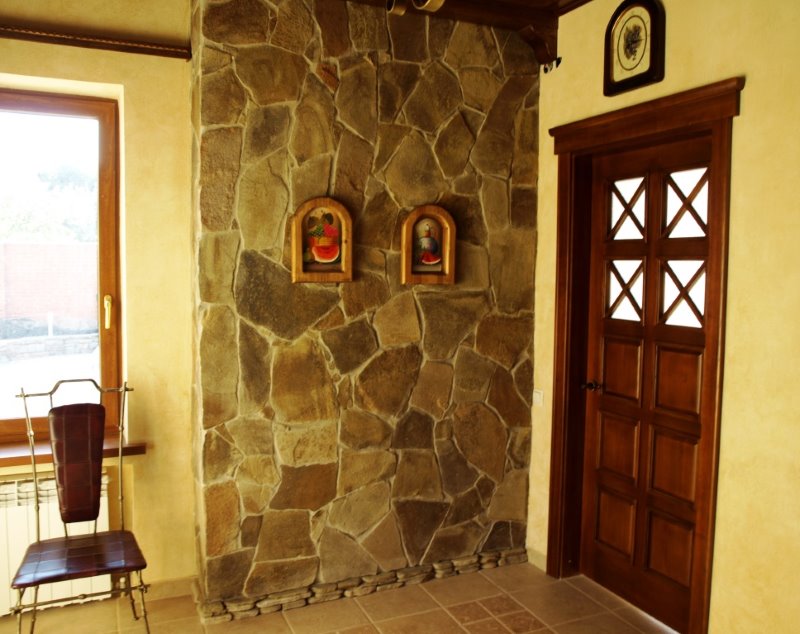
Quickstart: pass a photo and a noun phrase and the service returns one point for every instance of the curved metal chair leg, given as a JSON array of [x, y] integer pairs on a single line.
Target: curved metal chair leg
[[129, 592], [142, 590]]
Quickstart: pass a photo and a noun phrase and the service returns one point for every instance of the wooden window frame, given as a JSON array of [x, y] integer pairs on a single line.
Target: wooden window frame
[[106, 113]]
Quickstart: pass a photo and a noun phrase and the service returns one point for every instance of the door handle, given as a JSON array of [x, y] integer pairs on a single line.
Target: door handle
[[107, 303], [592, 386]]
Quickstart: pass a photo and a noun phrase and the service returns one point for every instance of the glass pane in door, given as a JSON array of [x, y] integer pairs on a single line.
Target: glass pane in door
[[48, 256]]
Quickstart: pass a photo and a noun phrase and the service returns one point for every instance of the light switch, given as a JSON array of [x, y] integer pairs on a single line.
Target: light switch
[[538, 398]]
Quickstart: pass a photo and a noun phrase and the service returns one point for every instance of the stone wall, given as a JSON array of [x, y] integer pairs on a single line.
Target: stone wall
[[345, 431]]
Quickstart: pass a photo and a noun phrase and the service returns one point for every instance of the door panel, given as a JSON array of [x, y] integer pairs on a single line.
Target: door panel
[[646, 343]]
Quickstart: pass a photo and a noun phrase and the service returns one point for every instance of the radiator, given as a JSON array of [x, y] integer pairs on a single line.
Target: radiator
[[18, 530]]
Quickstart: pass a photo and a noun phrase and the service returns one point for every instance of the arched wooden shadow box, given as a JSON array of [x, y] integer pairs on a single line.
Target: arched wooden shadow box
[[322, 246], [428, 247]]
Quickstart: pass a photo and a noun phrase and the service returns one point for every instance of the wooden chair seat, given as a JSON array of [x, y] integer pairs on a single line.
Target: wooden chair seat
[[79, 556]]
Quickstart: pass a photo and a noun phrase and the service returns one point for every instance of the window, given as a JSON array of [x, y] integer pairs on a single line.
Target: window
[[59, 282]]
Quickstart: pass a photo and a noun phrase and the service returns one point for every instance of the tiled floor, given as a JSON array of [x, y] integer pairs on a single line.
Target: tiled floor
[[516, 599]]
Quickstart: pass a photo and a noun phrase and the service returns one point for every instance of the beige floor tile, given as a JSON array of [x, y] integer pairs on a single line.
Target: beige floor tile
[[490, 626], [600, 624], [393, 603], [8, 625], [190, 625], [460, 589], [157, 611], [273, 623], [501, 604], [517, 577], [597, 592], [361, 629], [521, 622], [557, 603], [331, 616], [94, 618], [468, 612], [434, 622]]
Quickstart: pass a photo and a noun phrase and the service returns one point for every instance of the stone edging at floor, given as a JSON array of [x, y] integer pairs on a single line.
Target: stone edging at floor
[[222, 611]]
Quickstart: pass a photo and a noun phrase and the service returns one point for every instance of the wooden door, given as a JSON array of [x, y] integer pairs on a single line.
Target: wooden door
[[652, 314]]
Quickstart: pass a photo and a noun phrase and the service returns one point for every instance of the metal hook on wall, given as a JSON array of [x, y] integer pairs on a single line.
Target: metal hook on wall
[[552, 65]]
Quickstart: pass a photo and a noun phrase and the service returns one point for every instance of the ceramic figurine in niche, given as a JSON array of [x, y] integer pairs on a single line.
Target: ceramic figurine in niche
[[427, 250]]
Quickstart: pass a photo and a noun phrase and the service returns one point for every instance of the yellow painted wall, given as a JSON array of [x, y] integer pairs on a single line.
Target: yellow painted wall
[[756, 568], [155, 104]]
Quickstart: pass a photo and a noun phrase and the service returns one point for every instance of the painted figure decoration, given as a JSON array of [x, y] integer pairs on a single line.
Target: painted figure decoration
[[428, 247], [321, 246]]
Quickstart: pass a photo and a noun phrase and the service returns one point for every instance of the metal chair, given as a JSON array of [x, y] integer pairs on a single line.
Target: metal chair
[[76, 438]]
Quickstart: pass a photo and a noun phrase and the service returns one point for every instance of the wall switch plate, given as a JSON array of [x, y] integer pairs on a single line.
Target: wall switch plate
[[538, 398]]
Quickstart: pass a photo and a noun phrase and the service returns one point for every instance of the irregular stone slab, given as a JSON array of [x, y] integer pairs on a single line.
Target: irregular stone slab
[[237, 22], [472, 45], [225, 576], [409, 37], [518, 56], [510, 500], [480, 87], [413, 175], [263, 204], [265, 295], [485, 487], [368, 30], [448, 319], [493, 152], [413, 431], [384, 545], [212, 60], [312, 178], [523, 207], [396, 81], [365, 293], [216, 265], [512, 260], [397, 322], [468, 216], [351, 345], [272, 74], [293, 28], [465, 507], [353, 168], [357, 98], [223, 98], [370, 260], [439, 33], [284, 535], [361, 430], [453, 146], [302, 389], [219, 370], [503, 396], [385, 385], [360, 510], [457, 474], [220, 457], [258, 469], [472, 376], [375, 226], [277, 576], [389, 137], [519, 447], [312, 132], [360, 468], [473, 265], [495, 202], [305, 445], [523, 377], [435, 98], [504, 338], [310, 487], [221, 504], [455, 541], [252, 435], [417, 476], [432, 392], [251, 527], [220, 152], [499, 537], [333, 24], [482, 438], [254, 365], [341, 557], [525, 167], [418, 521], [266, 131]]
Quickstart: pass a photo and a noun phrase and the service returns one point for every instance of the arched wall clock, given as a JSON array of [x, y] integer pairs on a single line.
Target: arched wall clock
[[634, 46]]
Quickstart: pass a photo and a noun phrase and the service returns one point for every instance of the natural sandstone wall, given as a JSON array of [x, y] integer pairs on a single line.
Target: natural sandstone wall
[[345, 430]]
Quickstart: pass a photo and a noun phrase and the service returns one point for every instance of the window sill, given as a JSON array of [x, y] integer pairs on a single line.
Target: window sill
[[18, 453]]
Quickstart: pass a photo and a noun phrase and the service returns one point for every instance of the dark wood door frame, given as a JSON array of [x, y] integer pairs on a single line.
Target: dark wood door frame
[[708, 110]]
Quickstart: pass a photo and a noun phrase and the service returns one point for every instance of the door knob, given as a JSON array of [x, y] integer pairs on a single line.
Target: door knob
[[592, 386]]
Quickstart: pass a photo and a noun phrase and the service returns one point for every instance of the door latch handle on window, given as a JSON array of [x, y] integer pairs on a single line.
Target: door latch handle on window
[[592, 386], [107, 303]]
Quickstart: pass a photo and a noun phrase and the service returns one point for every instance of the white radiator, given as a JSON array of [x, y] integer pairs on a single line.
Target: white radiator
[[18, 530]]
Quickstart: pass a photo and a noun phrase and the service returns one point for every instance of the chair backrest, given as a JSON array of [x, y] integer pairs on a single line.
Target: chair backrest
[[76, 436]]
